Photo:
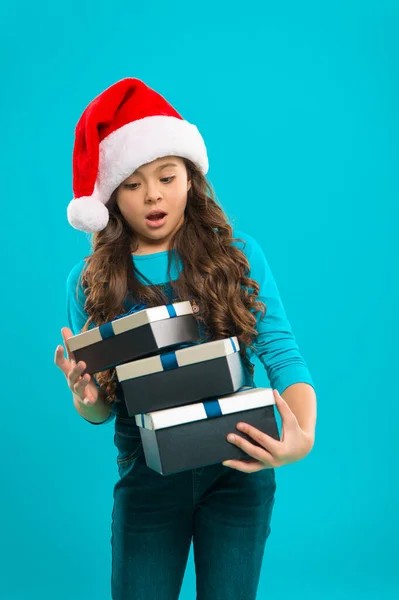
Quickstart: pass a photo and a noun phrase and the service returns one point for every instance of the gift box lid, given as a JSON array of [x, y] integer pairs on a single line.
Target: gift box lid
[[128, 322], [178, 358], [245, 399]]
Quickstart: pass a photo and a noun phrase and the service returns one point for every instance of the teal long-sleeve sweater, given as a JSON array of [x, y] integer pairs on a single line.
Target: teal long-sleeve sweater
[[275, 345]]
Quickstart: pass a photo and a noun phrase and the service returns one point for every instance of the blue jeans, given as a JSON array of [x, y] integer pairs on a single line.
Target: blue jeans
[[225, 512]]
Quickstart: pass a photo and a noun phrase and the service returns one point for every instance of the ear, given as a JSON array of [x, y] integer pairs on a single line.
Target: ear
[[189, 185]]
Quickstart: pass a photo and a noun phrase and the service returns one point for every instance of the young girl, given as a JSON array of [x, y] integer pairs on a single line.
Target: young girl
[[159, 237]]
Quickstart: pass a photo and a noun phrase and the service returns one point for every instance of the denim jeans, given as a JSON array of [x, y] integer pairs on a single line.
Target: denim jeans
[[225, 513]]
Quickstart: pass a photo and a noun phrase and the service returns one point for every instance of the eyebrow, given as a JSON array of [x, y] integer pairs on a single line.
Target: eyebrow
[[169, 164]]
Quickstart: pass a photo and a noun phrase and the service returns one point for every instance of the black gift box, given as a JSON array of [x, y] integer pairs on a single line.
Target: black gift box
[[182, 376], [143, 333], [194, 435]]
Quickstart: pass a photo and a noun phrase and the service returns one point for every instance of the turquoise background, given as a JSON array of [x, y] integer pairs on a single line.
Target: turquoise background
[[298, 104]]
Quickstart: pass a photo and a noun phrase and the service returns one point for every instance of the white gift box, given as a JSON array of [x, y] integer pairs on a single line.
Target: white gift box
[[132, 336], [182, 376], [194, 435]]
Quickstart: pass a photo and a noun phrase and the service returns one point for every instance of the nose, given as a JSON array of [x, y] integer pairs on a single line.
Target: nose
[[153, 193]]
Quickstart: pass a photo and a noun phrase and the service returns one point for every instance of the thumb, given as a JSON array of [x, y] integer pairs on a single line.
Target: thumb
[[66, 334], [287, 416]]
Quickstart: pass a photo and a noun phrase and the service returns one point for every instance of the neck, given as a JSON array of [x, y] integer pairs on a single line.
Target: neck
[[143, 250]]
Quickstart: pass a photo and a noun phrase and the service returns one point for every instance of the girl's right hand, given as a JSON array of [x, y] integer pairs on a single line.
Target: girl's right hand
[[83, 387]]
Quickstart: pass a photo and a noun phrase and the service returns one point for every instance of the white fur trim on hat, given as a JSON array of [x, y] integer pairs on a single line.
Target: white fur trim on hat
[[141, 142]]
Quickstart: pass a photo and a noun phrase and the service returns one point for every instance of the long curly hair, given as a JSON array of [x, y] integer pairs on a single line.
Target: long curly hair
[[215, 274]]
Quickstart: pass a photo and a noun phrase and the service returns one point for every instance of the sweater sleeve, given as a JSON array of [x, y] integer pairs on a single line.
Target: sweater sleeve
[[76, 314], [275, 345], [75, 299]]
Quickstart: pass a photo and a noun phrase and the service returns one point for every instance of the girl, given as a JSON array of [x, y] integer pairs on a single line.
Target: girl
[[159, 237]]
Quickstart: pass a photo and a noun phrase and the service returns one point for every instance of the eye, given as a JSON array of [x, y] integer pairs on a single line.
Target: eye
[[132, 186]]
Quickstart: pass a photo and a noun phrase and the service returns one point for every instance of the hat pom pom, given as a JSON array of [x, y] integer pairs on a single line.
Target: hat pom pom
[[88, 214]]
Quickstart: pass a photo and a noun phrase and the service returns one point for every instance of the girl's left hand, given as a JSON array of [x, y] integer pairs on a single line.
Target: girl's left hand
[[294, 444]]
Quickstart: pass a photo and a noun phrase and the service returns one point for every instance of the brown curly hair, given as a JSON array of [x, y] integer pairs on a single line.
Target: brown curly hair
[[215, 274]]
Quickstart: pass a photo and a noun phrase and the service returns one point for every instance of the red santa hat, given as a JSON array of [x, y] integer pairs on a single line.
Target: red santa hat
[[127, 125]]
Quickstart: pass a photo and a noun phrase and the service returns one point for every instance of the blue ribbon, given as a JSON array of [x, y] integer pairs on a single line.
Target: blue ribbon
[[106, 330], [212, 406], [233, 344], [169, 361], [212, 409], [171, 310]]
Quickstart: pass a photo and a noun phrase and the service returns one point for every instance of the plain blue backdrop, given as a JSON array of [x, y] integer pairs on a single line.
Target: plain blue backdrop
[[298, 105]]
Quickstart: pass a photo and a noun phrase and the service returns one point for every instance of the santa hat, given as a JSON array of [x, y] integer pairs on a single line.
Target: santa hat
[[127, 125]]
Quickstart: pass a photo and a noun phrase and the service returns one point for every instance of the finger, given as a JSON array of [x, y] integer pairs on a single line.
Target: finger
[[66, 334], [246, 466], [250, 449], [61, 361], [75, 373], [283, 408], [270, 444], [81, 390]]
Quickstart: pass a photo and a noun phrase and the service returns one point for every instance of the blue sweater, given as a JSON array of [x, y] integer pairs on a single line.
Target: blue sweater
[[275, 345]]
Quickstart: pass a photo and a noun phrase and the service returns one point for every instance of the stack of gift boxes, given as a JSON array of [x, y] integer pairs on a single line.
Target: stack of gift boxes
[[185, 396]]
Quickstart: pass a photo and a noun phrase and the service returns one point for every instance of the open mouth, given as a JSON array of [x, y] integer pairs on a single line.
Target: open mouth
[[156, 219], [156, 216]]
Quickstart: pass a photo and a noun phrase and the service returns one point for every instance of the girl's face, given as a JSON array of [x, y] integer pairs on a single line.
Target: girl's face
[[153, 200]]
